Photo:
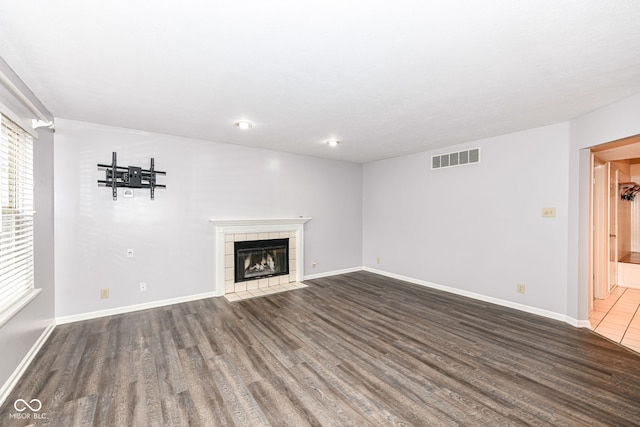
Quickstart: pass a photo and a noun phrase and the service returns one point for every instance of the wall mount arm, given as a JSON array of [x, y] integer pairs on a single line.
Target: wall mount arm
[[129, 177]]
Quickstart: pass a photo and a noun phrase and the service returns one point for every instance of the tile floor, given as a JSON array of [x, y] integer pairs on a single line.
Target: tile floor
[[238, 296], [618, 317]]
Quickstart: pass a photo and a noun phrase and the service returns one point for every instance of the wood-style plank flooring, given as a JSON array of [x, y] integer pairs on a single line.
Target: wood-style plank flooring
[[357, 349]]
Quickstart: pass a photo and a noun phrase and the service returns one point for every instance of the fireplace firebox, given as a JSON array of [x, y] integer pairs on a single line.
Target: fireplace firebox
[[257, 259]]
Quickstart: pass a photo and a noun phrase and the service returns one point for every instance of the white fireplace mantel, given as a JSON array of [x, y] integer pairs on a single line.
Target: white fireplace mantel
[[255, 225]]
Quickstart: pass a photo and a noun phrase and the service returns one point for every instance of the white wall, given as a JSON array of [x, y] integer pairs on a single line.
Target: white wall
[[476, 228], [171, 236]]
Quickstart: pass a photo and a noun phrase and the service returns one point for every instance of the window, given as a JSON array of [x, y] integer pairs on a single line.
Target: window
[[16, 193]]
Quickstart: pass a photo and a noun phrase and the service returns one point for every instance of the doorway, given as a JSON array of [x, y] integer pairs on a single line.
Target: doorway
[[615, 240]]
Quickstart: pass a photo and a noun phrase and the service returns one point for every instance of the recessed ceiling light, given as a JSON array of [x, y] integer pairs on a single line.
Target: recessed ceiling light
[[244, 124], [332, 142]]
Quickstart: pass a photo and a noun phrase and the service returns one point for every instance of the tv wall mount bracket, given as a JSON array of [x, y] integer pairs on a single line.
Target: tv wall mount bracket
[[129, 177]]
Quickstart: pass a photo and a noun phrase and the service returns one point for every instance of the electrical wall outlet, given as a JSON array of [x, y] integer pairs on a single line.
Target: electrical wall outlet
[[378, 260], [104, 293], [313, 264], [129, 253], [548, 212], [143, 287], [520, 288]]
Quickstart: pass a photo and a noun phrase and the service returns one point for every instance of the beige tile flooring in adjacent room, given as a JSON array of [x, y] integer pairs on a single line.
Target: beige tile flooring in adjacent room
[[618, 317], [238, 296]]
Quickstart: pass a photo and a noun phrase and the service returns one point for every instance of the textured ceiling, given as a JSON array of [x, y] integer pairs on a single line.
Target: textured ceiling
[[386, 77]]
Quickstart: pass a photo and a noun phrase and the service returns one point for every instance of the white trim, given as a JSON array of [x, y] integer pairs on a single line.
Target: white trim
[[11, 382], [23, 123], [510, 304], [256, 225], [578, 323], [15, 308], [20, 96], [332, 273], [243, 224], [129, 308]]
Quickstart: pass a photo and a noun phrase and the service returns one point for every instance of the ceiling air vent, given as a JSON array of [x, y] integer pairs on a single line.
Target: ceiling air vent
[[459, 158]]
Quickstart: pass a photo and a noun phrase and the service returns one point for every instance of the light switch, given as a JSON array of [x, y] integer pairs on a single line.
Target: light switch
[[548, 212]]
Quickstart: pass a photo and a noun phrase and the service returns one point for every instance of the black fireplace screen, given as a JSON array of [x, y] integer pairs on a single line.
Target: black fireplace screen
[[257, 259]]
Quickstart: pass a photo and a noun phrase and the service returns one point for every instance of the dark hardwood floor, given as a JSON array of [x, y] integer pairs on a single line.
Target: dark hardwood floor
[[356, 349]]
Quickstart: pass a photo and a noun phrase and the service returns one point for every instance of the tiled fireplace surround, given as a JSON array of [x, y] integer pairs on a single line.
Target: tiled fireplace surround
[[228, 231], [230, 286]]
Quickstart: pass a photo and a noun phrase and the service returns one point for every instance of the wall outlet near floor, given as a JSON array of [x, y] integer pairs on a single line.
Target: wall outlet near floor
[[378, 260], [520, 288], [143, 287], [549, 212], [104, 293], [313, 264]]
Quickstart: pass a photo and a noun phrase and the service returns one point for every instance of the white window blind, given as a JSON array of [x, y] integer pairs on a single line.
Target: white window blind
[[16, 192]]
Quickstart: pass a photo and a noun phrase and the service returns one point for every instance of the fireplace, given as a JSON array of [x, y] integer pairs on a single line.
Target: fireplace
[[230, 232], [259, 259]]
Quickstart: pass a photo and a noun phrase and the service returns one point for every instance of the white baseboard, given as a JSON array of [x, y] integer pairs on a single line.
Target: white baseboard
[[578, 323], [8, 386], [332, 273], [129, 308], [161, 303], [510, 304]]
